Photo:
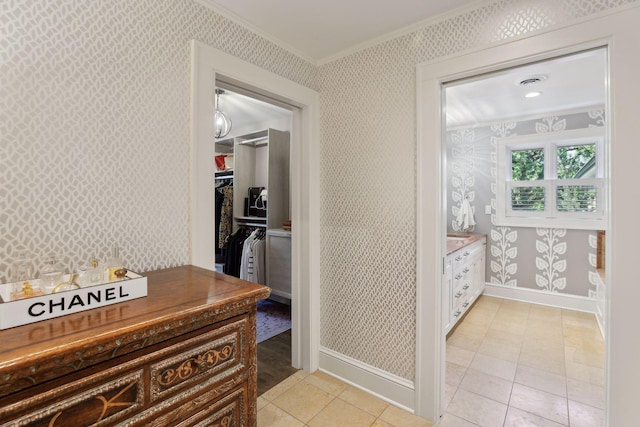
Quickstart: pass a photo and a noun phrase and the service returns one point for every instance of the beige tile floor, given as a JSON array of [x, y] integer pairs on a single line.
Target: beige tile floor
[[516, 364], [319, 400], [508, 364]]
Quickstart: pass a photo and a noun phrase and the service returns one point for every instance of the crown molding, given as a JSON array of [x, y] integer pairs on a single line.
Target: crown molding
[[405, 30], [213, 6]]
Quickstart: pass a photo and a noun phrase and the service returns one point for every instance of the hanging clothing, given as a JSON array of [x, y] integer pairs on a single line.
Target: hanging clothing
[[226, 216], [233, 254], [259, 261]]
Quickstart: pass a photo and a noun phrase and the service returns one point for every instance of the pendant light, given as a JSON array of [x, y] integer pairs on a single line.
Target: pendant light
[[222, 123]]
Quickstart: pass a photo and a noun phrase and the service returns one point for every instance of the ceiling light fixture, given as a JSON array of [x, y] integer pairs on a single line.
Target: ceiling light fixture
[[532, 94], [222, 123]]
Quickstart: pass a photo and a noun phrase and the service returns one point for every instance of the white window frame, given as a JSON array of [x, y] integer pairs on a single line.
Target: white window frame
[[550, 217]]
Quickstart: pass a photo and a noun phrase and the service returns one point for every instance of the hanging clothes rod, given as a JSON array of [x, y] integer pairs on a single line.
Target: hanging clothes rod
[[254, 140]]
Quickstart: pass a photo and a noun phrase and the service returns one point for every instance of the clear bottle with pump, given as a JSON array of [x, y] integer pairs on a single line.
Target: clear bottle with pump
[[113, 264]]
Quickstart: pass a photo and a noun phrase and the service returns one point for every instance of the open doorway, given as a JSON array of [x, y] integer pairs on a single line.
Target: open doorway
[[525, 172], [252, 214], [211, 67], [523, 169]]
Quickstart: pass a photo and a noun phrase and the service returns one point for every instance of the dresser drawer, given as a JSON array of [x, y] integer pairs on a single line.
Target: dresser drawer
[[111, 401], [228, 412], [185, 374], [209, 358]]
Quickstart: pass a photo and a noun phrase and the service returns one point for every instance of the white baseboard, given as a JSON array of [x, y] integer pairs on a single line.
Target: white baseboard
[[388, 387], [535, 296]]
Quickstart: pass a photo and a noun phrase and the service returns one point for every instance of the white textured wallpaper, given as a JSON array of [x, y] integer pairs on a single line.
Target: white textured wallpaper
[[94, 124], [368, 173]]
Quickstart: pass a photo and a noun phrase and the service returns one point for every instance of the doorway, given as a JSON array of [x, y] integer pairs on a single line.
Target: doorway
[[432, 217], [525, 152], [210, 66], [253, 239]]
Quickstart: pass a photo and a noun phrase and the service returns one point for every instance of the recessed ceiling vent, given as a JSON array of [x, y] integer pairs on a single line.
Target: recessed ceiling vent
[[533, 80]]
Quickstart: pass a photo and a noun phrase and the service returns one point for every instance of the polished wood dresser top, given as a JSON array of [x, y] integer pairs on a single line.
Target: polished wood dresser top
[[157, 346]]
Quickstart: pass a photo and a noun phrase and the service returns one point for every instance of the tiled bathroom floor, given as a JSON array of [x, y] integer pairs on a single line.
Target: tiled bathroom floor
[[508, 364]]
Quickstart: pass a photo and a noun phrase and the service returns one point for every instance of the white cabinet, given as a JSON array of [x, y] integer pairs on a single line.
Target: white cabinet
[[463, 280], [448, 285], [279, 262]]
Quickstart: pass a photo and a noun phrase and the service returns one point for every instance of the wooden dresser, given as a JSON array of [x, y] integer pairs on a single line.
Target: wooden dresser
[[185, 355]]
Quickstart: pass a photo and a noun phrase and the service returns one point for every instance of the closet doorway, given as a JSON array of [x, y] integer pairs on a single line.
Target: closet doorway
[[253, 223], [212, 68]]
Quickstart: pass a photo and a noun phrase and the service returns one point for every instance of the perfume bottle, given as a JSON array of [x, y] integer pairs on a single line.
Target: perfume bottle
[[94, 272], [113, 264], [22, 268], [51, 274]]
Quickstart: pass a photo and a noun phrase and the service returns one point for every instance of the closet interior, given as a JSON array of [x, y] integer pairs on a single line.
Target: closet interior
[[253, 233]]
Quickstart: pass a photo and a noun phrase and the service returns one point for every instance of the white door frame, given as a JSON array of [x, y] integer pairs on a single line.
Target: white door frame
[[206, 64], [618, 31]]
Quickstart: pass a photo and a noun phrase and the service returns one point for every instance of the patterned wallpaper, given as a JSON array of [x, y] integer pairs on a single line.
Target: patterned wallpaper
[[368, 175], [552, 260], [94, 124], [94, 143]]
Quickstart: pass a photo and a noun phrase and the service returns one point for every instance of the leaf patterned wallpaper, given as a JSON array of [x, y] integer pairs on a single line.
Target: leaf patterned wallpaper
[[550, 260]]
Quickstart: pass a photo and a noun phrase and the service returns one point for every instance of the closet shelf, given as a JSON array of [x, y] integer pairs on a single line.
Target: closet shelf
[[224, 174], [252, 221]]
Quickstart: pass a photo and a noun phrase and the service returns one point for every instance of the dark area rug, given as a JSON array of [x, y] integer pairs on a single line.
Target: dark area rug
[[273, 318]]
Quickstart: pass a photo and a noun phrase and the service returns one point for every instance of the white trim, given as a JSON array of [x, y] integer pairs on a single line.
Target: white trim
[[388, 387], [536, 296], [305, 178]]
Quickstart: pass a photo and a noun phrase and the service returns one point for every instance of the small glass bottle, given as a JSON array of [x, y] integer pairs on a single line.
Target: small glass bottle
[[94, 272], [51, 274], [113, 264], [83, 275]]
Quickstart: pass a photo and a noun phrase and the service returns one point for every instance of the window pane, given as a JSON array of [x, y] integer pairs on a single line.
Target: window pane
[[527, 165], [576, 198], [577, 161], [527, 198]]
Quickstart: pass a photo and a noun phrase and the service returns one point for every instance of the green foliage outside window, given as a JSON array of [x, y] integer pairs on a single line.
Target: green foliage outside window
[[573, 162]]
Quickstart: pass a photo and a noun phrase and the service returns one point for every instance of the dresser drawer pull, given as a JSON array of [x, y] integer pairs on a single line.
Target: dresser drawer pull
[[465, 287], [457, 314]]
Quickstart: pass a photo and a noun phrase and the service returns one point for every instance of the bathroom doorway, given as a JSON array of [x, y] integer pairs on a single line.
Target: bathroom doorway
[[432, 168], [525, 151]]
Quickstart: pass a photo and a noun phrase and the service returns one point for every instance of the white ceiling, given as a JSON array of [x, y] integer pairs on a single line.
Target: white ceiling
[[321, 29], [572, 82]]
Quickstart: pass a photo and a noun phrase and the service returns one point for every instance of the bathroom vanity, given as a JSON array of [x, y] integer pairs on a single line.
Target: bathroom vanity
[[184, 355], [464, 275]]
